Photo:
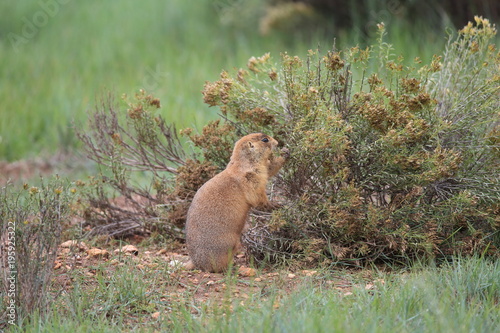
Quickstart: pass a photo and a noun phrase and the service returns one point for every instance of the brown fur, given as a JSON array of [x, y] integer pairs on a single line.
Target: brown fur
[[219, 210]]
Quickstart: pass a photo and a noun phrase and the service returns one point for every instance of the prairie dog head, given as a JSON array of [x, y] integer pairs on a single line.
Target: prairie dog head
[[254, 147]]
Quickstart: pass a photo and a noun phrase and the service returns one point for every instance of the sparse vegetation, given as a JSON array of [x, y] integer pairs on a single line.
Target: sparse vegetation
[[139, 140], [145, 294], [31, 225]]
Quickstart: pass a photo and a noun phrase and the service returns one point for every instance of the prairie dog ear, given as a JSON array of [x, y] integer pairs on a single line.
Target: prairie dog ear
[[250, 144]]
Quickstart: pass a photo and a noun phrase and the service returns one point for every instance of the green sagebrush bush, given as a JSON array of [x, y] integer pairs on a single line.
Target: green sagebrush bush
[[388, 160]]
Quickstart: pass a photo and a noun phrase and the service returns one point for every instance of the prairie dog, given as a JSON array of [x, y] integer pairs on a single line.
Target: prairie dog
[[219, 210]]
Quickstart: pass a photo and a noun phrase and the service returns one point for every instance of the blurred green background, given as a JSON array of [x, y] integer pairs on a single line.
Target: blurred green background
[[59, 57]]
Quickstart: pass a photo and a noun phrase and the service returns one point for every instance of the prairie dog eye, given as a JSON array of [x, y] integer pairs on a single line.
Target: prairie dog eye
[[265, 140]]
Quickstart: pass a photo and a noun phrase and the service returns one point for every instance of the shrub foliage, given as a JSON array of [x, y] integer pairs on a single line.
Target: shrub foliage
[[390, 158], [31, 222]]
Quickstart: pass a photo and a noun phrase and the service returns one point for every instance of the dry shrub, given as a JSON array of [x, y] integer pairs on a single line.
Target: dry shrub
[[31, 221], [136, 139]]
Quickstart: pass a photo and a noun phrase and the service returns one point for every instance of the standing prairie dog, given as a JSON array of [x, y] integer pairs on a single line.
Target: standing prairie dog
[[219, 210]]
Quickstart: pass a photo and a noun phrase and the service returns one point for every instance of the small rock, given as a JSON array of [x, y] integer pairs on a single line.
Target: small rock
[[64, 251], [175, 263], [130, 249], [75, 244], [308, 272], [246, 271], [155, 315], [69, 243], [291, 276], [95, 252], [162, 251], [257, 279]]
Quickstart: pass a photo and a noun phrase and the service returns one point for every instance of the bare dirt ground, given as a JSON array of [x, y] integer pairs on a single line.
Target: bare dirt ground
[[79, 257], [171, 291], [32, 168]]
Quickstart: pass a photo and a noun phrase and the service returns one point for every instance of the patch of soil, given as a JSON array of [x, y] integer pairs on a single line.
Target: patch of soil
[[77, 257], [27, 169]]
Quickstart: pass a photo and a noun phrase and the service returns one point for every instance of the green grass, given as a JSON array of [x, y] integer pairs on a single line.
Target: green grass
[[71, 58], [460, 296]]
